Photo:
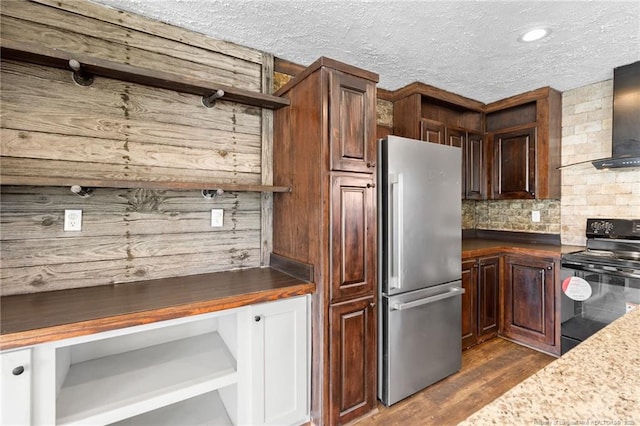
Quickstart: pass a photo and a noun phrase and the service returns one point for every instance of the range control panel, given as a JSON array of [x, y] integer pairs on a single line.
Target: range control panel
[[628, 229]]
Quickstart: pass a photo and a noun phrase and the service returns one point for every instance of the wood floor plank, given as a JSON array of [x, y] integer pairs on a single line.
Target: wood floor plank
[[488, 370]]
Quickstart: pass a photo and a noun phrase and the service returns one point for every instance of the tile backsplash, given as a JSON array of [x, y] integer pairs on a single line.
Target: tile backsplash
[[512, 215]]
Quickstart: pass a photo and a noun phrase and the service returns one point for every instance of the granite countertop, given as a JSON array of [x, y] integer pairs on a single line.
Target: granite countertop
[[596, 383]]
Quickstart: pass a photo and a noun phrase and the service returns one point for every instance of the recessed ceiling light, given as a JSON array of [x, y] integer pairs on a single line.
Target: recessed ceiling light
[[535, 34]]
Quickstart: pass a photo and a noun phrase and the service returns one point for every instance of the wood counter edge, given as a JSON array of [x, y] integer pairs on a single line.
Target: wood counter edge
[[83, 328], [507, 249]]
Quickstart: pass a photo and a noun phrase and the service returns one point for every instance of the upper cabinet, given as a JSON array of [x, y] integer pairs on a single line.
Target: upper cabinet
[[510, 148], [352, 117], [433, 115], [524, 132]]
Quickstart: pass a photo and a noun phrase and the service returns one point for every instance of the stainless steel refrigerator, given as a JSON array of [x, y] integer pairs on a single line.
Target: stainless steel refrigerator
[[419, 237]]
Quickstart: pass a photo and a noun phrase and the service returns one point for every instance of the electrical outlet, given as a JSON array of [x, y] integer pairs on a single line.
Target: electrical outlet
[[535, 216], [73, 220], [217, 218]]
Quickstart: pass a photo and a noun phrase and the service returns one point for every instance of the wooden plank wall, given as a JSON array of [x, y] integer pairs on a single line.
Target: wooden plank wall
[[119, 130]]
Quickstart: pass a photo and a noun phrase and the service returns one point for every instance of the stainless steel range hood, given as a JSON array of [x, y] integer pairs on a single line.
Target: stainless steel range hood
[[625, 145]]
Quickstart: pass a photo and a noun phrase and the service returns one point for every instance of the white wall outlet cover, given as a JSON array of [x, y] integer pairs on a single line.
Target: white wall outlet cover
[[73, 220], [217, 218], [535, 216]]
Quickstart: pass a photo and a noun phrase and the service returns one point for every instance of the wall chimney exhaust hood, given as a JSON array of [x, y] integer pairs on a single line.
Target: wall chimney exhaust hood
[[625, 145]]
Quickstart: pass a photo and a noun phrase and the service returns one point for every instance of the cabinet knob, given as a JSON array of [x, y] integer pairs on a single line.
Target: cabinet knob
[[257, 318], [371, 165], [372, 304], [18, 370], [371, 185], [549, 268]]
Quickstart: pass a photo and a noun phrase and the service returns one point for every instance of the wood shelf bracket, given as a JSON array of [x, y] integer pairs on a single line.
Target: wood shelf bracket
[[210, 101], [210, 194], [83, 192], [80, 75]]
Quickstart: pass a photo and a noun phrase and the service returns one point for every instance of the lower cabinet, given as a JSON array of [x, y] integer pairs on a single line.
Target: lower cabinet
[[352, 361], [529, 314], [15, 387], [480, 303], [280, 388], [216, 368]]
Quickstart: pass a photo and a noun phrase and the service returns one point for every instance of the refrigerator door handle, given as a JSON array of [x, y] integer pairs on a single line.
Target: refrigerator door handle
[[395, 231], [454, 291]]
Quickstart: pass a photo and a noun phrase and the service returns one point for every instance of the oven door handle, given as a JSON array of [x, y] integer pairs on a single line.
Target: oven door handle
[[616, 273]]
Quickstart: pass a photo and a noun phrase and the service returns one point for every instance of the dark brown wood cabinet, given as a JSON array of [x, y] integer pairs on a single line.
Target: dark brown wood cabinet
[[480, 302], [469, 303], [510, 148], [352, 350], [350, 100], [437, 116], [325, 150], [514, 160], [475, 167], [353, 237], [488, 297], [525, 132], [530, 302]]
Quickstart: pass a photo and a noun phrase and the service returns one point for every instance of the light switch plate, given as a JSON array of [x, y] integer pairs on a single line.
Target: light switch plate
[[73, 220], [217, 218], [535, 216]]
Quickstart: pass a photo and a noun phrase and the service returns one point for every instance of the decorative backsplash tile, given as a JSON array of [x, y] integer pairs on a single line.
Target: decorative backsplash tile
[[512, 215]]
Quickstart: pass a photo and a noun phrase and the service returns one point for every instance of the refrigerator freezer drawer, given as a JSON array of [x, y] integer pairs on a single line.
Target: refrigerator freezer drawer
[[421, 340]]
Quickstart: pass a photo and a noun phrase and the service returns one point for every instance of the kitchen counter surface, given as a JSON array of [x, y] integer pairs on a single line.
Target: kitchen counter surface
[[475, 247], [596, 383], [30, 319]]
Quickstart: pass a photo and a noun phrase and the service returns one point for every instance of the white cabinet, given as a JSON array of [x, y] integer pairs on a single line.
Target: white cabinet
[[217, 368], [280, 385], [15, 387]]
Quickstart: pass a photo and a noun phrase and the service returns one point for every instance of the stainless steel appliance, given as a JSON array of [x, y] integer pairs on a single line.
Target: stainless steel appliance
[[419, 265], [601, 283]]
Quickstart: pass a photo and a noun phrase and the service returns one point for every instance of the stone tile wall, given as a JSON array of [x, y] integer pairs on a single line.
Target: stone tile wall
[[515, 215], [587, 192]]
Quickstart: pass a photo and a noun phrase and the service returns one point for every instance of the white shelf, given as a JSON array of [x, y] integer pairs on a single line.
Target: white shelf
[[202, 410], [116, 387]]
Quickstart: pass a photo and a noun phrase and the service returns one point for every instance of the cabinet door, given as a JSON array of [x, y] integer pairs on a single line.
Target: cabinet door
[[352, 126], [469, 305], [352, 349], [15, 387], [488, 301], [431, 131], [457, 138], [529, 301], [353, 237], [514, 163], [475, 168], [280, 362]]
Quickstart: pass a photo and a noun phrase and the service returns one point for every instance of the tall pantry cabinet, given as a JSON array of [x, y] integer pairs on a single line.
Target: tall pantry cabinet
[[325, 149]]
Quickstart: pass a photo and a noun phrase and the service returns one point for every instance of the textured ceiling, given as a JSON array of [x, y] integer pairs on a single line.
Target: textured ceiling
[[467, 47]]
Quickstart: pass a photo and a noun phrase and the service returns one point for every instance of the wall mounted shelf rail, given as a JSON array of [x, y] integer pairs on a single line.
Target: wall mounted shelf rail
[[159, 185], [58, 58]]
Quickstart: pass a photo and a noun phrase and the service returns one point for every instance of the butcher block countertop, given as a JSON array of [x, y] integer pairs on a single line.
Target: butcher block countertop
[[476, 247], [596, 383], [36, 318]]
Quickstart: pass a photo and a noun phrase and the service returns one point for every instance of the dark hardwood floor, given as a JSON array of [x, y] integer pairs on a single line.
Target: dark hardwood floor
[[488, 370]]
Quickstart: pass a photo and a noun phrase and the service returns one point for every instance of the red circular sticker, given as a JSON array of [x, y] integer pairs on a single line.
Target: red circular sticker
[[576, 288]]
